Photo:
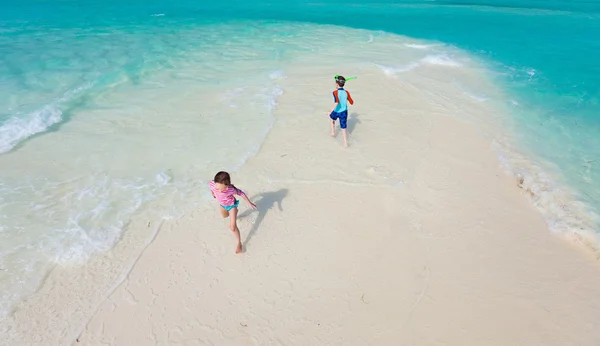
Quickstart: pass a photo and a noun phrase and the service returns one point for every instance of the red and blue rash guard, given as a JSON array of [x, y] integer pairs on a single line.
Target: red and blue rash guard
[[341, 97]]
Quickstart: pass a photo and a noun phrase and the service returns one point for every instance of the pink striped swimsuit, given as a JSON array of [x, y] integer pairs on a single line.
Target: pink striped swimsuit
[[225, 198]]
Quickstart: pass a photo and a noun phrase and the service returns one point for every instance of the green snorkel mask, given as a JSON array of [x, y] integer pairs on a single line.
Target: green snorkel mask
[[347, 79]]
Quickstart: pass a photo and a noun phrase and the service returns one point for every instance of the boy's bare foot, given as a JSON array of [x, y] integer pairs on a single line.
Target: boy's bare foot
[[345, 145], [332, 134], [239, 248]]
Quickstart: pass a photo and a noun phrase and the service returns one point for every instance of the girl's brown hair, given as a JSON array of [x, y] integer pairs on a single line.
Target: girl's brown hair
[[223, 178]]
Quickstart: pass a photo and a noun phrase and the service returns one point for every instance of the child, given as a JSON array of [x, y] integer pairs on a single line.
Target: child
[[340, 108], [222, 189]]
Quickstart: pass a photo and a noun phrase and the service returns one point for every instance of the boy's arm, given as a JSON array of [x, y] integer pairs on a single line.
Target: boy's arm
[[333, 108], [336, 101], [349, 98]]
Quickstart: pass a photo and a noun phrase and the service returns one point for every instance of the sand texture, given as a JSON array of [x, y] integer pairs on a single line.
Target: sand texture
[[412, 236]]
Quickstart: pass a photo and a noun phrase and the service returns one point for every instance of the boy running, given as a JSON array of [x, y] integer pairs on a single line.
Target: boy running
[[341, 97]]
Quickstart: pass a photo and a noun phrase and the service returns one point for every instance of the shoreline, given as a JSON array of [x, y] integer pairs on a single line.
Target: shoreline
[[397, 176]]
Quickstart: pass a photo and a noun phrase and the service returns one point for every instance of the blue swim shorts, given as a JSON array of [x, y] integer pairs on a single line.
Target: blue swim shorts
[[343, 116], [229, 207]]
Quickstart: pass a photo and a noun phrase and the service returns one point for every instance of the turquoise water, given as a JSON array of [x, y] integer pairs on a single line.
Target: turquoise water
[[86, 89]]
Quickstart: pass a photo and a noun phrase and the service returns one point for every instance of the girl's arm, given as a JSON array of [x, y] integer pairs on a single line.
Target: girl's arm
[[243, 195], [210, 187], [252, 205]]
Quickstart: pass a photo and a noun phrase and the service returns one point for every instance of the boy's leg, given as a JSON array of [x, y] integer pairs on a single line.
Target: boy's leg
[[333, 118], [332, 128], [224, 213], [234, 228], [343, 125]]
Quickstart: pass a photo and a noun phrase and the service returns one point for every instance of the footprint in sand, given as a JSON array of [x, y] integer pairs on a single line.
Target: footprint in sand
[[376, 172], [382, 176], [248, 220]]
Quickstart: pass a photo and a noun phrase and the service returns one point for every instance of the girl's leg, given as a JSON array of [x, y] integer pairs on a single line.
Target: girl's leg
[[224, 213], [234, 228]]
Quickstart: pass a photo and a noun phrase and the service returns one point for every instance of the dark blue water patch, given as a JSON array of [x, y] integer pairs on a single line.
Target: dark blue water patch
[[576, 6]]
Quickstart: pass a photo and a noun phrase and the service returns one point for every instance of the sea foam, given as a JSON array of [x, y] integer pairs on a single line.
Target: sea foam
[[20, 127]]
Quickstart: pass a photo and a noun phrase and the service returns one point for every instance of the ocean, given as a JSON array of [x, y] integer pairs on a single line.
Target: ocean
[[116, 111]]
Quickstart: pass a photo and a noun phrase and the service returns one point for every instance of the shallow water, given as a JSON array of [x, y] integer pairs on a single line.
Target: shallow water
[[110, 107]]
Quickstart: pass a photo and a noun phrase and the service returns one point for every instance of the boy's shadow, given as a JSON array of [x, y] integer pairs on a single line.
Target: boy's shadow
[[265, 201], [352, 121]]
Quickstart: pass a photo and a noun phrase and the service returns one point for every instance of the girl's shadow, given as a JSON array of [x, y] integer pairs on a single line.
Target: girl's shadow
[[264, 202]]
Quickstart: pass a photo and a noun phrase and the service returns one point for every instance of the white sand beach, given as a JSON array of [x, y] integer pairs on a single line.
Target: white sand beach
[[414, 235]]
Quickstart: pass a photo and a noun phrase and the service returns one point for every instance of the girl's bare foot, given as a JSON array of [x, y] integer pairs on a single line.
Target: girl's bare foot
[[239, 248]]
